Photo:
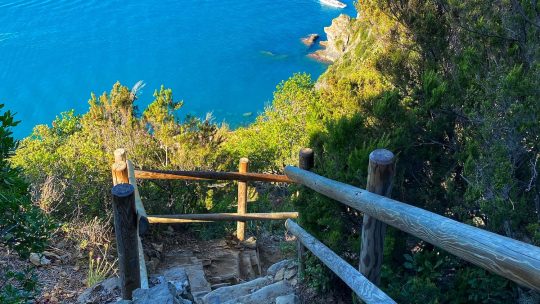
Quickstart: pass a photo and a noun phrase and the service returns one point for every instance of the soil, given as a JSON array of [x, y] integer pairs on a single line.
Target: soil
[[59, 282]]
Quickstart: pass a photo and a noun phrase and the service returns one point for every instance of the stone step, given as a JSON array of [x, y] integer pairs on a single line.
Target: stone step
[[224, 294], [279, 283], [266, 294]]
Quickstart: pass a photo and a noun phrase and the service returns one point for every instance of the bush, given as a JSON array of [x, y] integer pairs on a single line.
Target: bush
[[23, 227]]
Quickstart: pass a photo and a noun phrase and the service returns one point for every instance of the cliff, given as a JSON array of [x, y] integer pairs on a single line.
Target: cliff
[[340, 35]]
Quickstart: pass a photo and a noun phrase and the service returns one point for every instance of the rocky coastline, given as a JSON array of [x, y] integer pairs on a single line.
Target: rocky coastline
[[340, 39]]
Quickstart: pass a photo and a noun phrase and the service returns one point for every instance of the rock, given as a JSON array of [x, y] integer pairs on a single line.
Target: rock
[[266, 294], [340, 36], [216, 286], [293, 282], [288, 299], [158, 247], [111, 284], [52, 255], [280, 274], [289, 273], [152, 265], [224, 294], [310, 39], [273, 269], [251, 242], [155, 280], [179, 278], [159, 294], [206, 262], [104, 289], [39, 259]]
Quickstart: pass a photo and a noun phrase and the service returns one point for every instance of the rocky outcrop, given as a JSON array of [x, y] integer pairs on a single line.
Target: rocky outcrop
[[310, 39], [104, 291], [173, 287], [229, 293], [163, 293], [267, 294], [288, 299], [340, 36]]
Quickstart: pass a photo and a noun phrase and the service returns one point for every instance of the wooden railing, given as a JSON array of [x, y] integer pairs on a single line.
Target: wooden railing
[[509, 258], [131, 220]]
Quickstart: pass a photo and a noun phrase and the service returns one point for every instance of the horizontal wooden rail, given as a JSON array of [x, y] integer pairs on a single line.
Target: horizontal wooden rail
[[211, 175], [512, 259], [213, 217], [366, 290]]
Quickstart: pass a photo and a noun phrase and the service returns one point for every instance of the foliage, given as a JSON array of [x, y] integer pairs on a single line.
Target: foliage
[[317, 275], [277, 135], [452, 89], [23, 227], [17, 287], [76, 152]]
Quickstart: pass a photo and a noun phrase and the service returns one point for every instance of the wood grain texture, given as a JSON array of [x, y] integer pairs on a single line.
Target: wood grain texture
[[119, 173], [120, 155], [125, 229], [242, 199], [128, 176], [214, 217], [211, 175], [379, 181], [366, 290], [306, 161], [142, 223], [512, 259], [141, 211]]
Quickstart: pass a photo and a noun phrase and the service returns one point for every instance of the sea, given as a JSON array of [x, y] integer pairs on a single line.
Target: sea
[[222, 57]]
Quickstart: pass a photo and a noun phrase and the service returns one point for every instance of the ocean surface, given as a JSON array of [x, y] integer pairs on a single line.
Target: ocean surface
[[219, 56]]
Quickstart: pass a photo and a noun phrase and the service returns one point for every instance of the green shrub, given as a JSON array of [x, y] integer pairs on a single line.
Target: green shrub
[[23, 227]]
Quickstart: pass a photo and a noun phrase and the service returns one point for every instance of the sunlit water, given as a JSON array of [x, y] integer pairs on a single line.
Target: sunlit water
[[219, 56]]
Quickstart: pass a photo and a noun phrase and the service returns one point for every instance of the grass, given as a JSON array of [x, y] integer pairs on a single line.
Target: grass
[[99, 267]]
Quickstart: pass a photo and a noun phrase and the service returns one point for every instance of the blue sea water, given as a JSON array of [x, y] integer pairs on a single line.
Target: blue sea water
[[219, 56]]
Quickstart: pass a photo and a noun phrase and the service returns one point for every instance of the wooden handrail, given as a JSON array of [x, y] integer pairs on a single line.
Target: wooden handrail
[[366, 290], [512, 259], [213, 217], [211, 175]]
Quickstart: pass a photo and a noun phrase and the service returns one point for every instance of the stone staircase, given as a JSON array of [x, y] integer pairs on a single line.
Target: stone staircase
[[227, 273], [278, 286], [218, 272], [187, 285]]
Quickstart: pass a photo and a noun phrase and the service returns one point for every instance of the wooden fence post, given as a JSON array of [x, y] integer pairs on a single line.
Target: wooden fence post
[[125, 229], [306, 161], [119, 168], [242, 200], [380, 177]]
